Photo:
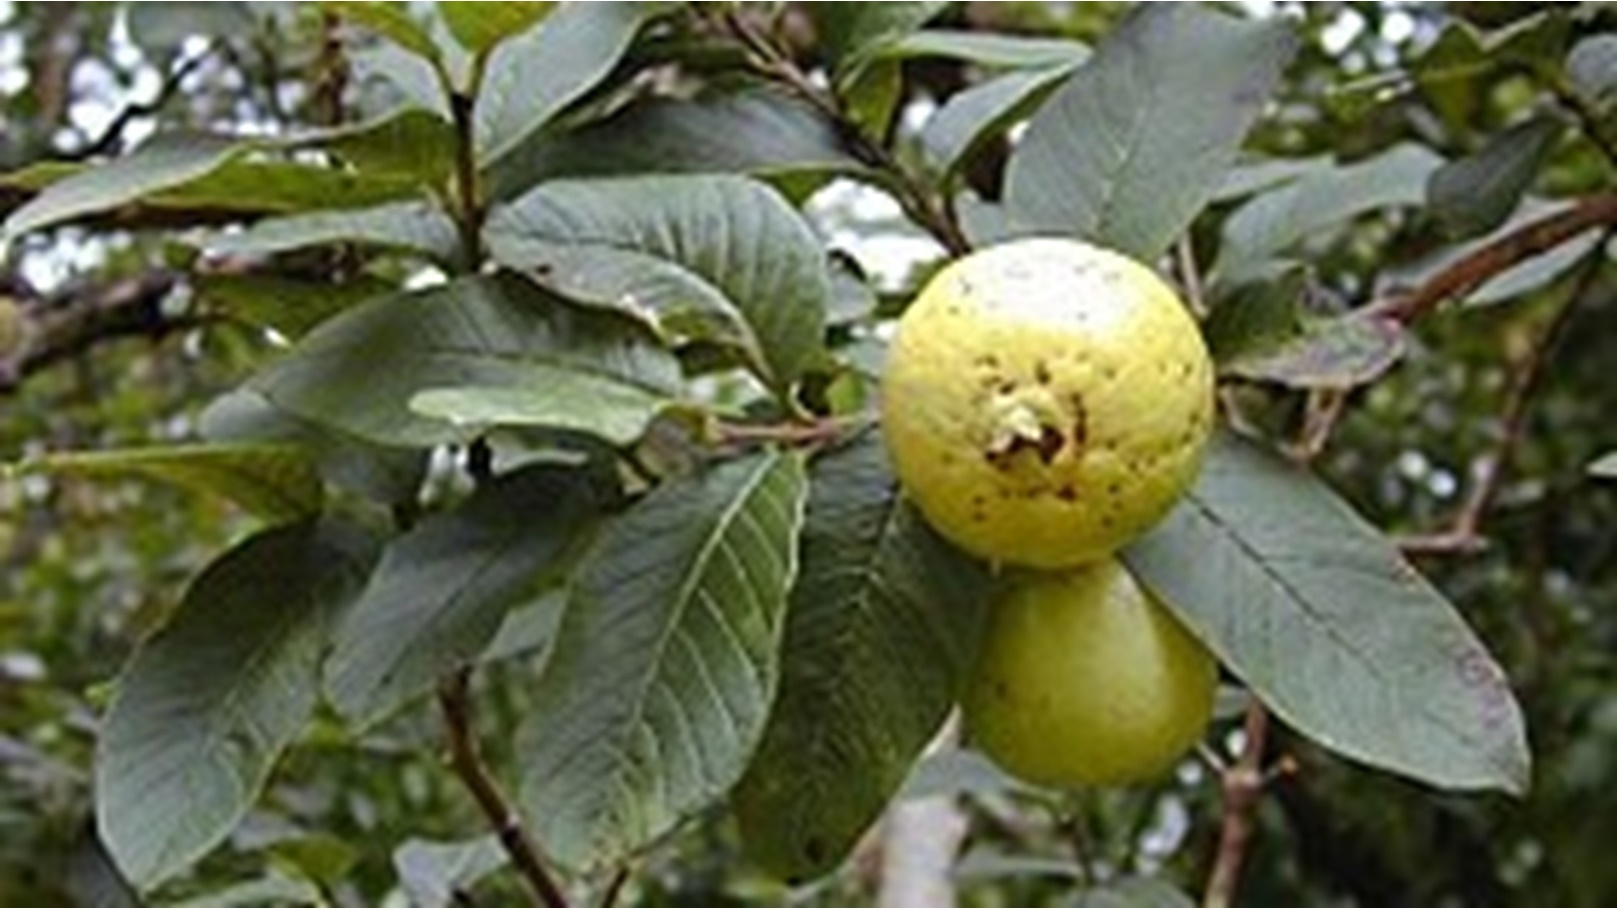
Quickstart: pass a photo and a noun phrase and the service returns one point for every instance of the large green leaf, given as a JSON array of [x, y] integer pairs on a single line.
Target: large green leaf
[[208, 703], [360, 371], [441, 590], [1304, 208], [759, 132], [167, 160], [721, 258], [663, 670], [972, 117], [532, 77], [422, 227], [275, 482], [1475, 194], [882, 627], [1138, 140], [1319, 613]]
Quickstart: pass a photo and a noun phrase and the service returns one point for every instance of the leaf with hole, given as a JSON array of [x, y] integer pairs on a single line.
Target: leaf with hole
[[1322, 617], [662, 673]]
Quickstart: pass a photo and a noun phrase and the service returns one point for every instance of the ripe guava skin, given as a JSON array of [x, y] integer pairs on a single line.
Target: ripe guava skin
[[1085, 679], [1046, 401]]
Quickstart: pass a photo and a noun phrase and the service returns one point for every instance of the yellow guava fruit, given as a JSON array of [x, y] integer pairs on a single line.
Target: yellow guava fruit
[[1085, 679], [1046, 401]]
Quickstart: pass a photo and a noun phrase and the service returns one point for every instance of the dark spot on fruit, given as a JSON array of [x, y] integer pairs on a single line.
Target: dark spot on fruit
[[1109, 373], [1006, 386], [988, 362], [1049, 444], [1066, 493], [1041, 373], [1080, 428], [1114, 488], [814, 849], [1001, 690]]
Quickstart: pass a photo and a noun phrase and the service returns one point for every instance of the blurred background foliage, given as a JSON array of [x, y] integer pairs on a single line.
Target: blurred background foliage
[[87, 565]]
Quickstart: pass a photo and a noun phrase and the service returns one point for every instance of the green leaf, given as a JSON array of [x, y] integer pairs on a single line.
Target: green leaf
[[440, 591], [360, 371], [1591, 67], [848, 32], [480, 26], [274, 482], [1134, 892], [1136, 143], [882, 628], [758, 132], [420, 227], [433, 873], [408, 142], [389, 75], [1255, 175], [1265, 331], [534, 76], [1604, 466], [381, 473], [970, 118], [165, 161], [393, 22], [1321, 616], [544, 396], [290, 306], [248, 188], [1476, 194], [207, 704], [661, 677], [723, 258], [989, 49], [1313, 204]]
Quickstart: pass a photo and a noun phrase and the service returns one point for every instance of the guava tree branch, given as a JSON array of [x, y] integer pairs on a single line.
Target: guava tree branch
[[920, 201], [1476, 268], [1488, 471], [455, 703], [41, 333], [1242, 784]]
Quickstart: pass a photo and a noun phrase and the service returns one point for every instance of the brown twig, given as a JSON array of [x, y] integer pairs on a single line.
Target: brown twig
[[919, 201], [813, 432], [1464, 532], [1242, 783], [114, 131], [454, 702], [1475, 269]]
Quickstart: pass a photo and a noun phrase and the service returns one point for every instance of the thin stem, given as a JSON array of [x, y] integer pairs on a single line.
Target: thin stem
[[454, 702], [114, 131], [1243, 783], [919, 200], [468, 188], [1464, 532], [813, 432]]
